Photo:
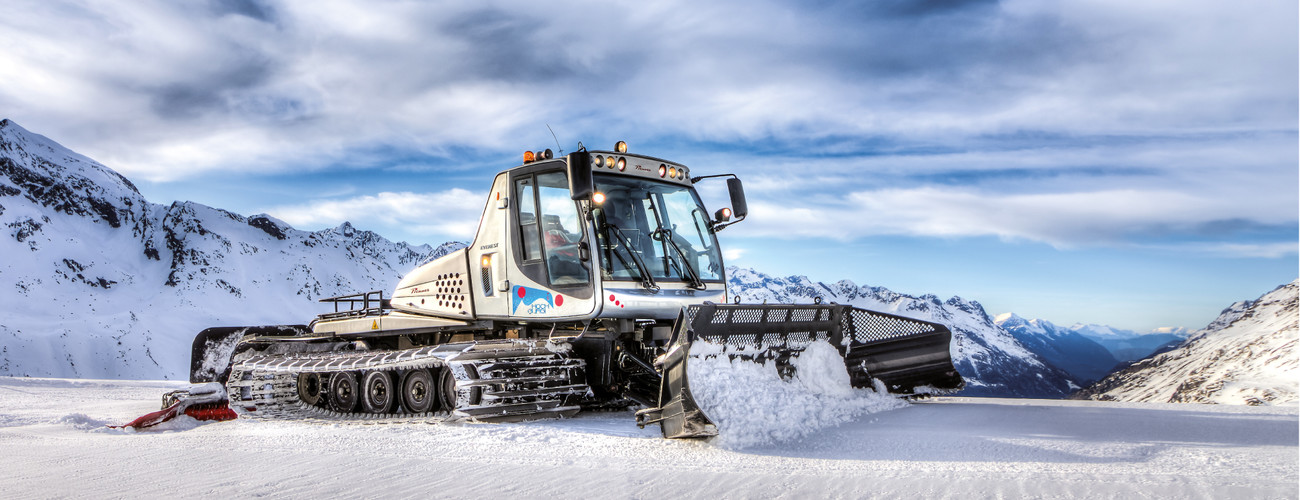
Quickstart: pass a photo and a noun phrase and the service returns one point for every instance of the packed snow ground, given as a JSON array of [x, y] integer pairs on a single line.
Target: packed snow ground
[[53, 437]]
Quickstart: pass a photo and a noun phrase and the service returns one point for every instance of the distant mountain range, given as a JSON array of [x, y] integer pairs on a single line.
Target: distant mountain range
[[1129, 346], [98, 282], [1079, 355]]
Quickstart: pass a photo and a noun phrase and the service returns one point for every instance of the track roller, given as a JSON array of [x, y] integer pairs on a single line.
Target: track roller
[[377, 392], [343, 392], [446, 390], [418, 391], [309, 388]]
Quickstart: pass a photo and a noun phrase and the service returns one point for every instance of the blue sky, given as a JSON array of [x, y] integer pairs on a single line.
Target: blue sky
[[1126, 163]]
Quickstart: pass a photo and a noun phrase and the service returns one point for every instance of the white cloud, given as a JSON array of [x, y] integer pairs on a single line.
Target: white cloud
[[1239, 250], [451, 214], [164, 90], [1107, 217]]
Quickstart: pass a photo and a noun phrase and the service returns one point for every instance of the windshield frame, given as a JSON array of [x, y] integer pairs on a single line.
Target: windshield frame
[[642, 220]]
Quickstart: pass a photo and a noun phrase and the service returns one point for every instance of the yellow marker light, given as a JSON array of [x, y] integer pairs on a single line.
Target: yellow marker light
[[598, 198], [487, 261], [609, 162], [598, 161], [672, 172], [528, 157], [620, 147], [622, 164]]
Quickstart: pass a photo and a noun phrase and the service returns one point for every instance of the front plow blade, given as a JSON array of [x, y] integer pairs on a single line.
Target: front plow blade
[[908, 356]]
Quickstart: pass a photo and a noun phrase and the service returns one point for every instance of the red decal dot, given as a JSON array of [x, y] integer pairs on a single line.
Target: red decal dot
[[559, 300], [520, 291], [611, 298], [617, 303]]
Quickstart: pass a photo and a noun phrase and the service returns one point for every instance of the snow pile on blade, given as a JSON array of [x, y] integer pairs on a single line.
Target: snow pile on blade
[[753, 406]]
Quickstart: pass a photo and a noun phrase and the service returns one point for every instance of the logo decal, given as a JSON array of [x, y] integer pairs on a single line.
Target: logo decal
[[538, 301]]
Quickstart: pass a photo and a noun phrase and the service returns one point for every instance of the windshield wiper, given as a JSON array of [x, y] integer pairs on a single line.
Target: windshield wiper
[[666, 235], [646, 280]]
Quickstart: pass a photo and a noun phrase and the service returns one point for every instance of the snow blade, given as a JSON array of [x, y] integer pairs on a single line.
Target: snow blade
[[909, 356]]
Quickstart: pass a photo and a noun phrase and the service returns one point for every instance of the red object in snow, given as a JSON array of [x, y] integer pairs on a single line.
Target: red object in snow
[[220, 412], [210, 411]]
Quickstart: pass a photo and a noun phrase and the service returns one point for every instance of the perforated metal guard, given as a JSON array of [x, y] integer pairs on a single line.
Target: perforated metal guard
[[903, 352], [800, 324], [869, 326]]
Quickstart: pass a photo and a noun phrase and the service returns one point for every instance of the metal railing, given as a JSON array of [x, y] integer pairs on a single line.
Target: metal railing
[[358, 305]]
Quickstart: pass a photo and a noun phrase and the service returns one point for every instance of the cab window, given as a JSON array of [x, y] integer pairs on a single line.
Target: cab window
[[550, 228]]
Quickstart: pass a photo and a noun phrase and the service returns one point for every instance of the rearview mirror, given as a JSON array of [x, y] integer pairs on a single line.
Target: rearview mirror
[[738, 206], [580, 182]]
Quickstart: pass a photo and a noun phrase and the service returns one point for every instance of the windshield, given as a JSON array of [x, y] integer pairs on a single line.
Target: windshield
[[639, 223]]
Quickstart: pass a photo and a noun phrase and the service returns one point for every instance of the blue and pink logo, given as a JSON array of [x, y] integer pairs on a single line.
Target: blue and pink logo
[[538, 301]]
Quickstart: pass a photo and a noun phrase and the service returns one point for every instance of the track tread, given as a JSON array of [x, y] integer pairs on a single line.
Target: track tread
[[494, 381]]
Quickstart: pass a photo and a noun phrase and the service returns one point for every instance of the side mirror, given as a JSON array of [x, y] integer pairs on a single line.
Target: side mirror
[[739, 208], [581, 185]]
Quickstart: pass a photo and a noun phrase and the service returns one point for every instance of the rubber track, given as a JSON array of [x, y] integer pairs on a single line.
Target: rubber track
[[495, 381]]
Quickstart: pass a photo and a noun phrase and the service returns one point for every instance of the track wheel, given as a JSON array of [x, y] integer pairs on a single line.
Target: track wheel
[[447, 391], [309, 388], [343, 392], [378, 394], [418, 391]]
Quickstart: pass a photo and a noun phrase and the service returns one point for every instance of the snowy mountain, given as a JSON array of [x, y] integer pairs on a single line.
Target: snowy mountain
[[98, 282], [1128, 345], [992, 361], [1248, 355], [1078, 355]]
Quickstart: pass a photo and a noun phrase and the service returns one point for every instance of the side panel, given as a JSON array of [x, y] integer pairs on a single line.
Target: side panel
[[439, 288], [490, 253]]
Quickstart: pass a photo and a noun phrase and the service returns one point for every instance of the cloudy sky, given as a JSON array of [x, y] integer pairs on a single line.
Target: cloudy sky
[[1117, 162]]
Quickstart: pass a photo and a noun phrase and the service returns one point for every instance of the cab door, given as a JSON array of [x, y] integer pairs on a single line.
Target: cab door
[[551, 277]]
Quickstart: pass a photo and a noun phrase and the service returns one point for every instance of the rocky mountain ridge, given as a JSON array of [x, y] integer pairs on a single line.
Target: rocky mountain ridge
[[98, 282], [1248, 355]]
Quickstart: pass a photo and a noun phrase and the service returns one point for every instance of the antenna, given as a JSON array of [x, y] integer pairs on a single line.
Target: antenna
[[559, 151]]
